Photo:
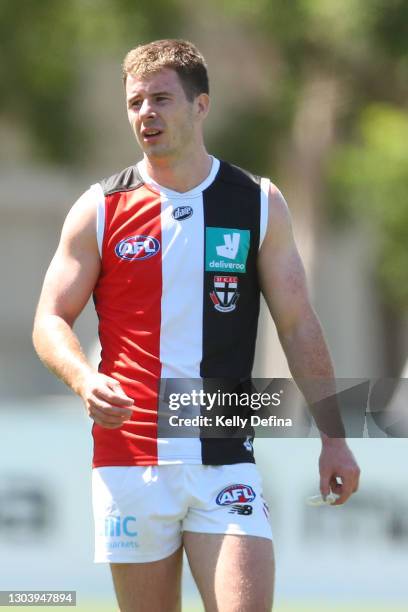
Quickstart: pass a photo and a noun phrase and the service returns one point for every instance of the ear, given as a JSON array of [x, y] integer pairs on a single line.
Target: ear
[[202, 105]]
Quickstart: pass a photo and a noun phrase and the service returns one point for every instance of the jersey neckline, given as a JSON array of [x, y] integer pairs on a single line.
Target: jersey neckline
[[215, 166]]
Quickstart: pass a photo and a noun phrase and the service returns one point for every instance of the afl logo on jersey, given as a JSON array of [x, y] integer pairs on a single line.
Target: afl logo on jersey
[[137, 248], [182, 212], [235, 493]]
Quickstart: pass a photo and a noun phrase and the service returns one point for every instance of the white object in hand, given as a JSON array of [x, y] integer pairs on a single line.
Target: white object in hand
[[319, 500]]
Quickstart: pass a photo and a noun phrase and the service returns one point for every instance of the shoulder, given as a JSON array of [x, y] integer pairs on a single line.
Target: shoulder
[[86, 205], [80, 222], [279, 232], [279, 216], [125, 180], [229, 173], [278, 207]]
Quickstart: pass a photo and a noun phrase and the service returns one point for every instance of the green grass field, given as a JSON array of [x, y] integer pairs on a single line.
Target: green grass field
[[279, 607]]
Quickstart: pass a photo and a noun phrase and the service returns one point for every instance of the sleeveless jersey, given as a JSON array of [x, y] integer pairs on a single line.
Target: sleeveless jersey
[[177, 300]]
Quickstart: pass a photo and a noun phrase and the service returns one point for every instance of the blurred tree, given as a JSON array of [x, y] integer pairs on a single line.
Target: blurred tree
[[38, 46], [42, 45], [340, 89], [369, 177], [342, 102]]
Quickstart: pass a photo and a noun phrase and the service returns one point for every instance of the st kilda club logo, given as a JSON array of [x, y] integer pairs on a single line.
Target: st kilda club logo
[[225, 295]]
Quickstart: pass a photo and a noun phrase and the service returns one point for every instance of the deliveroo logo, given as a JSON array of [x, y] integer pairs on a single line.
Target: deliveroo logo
[[226, 250], [230, 248]]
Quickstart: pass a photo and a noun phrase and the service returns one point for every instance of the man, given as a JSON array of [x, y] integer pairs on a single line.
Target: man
[[173, 250]]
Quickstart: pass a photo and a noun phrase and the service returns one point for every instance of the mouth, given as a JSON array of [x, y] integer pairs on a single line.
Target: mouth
[[151, 134]]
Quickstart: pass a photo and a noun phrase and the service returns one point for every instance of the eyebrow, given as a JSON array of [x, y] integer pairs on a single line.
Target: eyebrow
[[154, 93]]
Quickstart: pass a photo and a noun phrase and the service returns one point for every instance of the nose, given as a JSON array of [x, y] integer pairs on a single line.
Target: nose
[[146, 110]]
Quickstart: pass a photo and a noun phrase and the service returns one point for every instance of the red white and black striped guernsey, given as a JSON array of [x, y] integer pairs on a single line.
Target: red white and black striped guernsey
[[177, 298]]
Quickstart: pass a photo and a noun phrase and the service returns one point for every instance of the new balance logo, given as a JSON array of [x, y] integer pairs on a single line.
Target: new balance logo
[[230, 247], [244, 510]]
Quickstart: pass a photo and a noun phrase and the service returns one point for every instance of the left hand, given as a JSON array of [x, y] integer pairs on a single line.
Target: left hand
[[337, 460]]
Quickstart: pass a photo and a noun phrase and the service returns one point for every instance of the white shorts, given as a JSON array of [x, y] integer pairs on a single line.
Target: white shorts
[[140, 512]]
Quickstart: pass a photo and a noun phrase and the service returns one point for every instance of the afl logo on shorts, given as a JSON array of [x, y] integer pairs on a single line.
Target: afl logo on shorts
[[182, 212], [137, 248], [235, 493]]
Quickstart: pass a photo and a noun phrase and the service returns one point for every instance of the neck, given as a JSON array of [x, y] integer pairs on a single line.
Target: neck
[[180, 174]]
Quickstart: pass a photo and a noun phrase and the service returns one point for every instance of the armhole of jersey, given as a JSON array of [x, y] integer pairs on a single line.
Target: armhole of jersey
[[265, 183], [100, 214]]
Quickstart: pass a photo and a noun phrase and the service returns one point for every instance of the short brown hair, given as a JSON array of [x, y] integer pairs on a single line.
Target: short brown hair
[[179, 55]]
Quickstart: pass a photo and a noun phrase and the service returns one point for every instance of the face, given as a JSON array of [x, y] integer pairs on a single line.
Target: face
[[166, 124]]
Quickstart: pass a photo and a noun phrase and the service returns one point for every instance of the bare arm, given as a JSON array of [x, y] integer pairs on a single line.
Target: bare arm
[[68, 284], [283, 284]]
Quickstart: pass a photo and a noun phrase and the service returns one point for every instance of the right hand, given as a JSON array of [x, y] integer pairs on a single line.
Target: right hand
[[105, 401]]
